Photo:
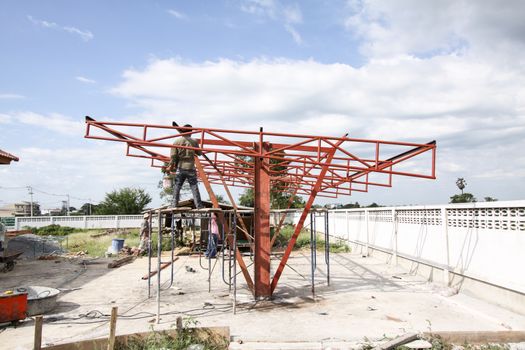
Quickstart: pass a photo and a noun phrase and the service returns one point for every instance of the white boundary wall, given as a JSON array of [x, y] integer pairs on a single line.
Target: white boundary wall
[[84, 222], [483, 241]]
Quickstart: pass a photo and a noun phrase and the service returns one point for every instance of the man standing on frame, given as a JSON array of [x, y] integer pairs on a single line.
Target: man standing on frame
[[183, 163]]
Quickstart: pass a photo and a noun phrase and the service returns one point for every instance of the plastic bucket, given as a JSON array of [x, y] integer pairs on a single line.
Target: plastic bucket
[[117, 244]]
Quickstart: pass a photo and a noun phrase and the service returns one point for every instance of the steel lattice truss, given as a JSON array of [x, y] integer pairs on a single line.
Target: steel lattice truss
[[295, 162]]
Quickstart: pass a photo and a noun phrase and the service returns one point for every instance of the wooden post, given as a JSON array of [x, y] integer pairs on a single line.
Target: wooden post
[[112, 328], [39, 320], [179, 324]]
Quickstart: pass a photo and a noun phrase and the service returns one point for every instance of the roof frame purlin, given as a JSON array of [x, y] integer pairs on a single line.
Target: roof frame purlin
[[304, 152]]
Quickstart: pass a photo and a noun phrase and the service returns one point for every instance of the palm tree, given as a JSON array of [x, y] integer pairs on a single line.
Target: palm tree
[[461, 183]]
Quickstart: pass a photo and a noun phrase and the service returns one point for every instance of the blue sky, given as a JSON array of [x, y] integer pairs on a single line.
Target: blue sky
[[397, 70]]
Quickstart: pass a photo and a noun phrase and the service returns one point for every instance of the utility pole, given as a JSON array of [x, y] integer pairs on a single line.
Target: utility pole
[[89, 206], [67, 204], [30, 189]]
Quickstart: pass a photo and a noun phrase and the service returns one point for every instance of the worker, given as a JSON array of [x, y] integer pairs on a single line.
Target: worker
[[144, 235], [213, 238], [183, 163]]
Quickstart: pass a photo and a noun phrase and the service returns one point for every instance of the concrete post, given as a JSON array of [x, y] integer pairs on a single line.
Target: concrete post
[[394, 227], [85, 222], [347, 226], [367, 214], [444, 226]]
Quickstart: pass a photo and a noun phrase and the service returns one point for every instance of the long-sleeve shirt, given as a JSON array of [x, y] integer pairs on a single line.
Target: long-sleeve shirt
[[214, 228], [183, 157]]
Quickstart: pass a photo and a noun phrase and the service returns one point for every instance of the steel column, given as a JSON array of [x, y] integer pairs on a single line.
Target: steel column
[[262, 225]]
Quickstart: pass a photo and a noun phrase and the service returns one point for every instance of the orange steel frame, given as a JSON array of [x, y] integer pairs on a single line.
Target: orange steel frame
[[296, 164]]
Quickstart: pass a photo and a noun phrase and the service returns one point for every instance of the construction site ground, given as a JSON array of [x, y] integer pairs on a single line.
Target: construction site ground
[[367, 300]]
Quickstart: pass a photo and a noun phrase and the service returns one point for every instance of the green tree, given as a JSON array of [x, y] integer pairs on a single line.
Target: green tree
[[126, 201], [351, 205], [220, 199], [490, 199], [463, 198], [87, 209], [166, 194], [278, 199]]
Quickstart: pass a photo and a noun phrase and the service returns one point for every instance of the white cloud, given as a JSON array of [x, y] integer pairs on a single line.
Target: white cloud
[[295, 34], [52, 121], [468, 106], [481, 28], [289, 15], [82, 172], [177, 14], [4, 118], [85, 35], [11, 96], [85, 80], [260, 7]]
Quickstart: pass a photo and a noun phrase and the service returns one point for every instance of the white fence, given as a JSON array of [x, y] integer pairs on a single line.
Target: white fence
[[84, 222], [483, 241]]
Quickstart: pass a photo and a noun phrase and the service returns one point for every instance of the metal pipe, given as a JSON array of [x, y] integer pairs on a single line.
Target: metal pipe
[[312, 268], [315, 241], [327, 248], [150, 231], [159, 251], [234, 228], [210, 242]]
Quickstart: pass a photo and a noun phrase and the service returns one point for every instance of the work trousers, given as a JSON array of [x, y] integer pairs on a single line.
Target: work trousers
[[180, 177], [211, 249]]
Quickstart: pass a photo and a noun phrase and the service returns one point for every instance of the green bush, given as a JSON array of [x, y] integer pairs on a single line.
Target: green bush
[[184, 338], [53, 230]]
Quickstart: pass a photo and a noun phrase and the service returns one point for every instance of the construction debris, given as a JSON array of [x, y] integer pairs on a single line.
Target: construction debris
[[418, 344]]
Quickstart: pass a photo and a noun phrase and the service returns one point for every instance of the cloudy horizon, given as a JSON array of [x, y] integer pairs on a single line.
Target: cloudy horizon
[[450, 71]]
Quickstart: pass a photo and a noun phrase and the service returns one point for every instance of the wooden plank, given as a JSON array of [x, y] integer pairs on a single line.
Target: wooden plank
[[120, 262], [112, 328], [39, 321], [392, 344], [162, 267]]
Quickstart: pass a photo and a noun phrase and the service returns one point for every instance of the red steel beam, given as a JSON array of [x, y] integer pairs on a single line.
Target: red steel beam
[[262, 225], [300, 224]]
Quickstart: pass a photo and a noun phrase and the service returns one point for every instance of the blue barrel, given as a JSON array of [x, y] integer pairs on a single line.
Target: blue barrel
[[117, 244]]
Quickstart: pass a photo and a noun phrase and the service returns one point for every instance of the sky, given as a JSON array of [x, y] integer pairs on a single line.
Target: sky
[[399, 70]]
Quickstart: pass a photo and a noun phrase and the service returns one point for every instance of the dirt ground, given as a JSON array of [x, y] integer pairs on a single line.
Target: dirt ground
[[366, 298]]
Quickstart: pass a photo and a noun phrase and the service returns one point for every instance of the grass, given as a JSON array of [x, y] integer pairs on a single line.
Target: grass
[[303, 240], [82, 240], [184, 338]]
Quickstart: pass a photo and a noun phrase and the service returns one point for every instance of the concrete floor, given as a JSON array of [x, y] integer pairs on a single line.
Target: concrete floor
[[366, 299]]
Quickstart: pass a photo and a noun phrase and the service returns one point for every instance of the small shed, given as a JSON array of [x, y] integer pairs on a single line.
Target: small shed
[[7, 158]]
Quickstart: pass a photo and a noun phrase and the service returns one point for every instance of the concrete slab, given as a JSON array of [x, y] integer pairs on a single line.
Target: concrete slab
[[366, 298]]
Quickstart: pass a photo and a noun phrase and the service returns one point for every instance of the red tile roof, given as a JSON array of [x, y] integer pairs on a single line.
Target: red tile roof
[[7, 156]]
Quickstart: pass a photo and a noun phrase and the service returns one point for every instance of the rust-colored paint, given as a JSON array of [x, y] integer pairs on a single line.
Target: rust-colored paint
[[314, 166]]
